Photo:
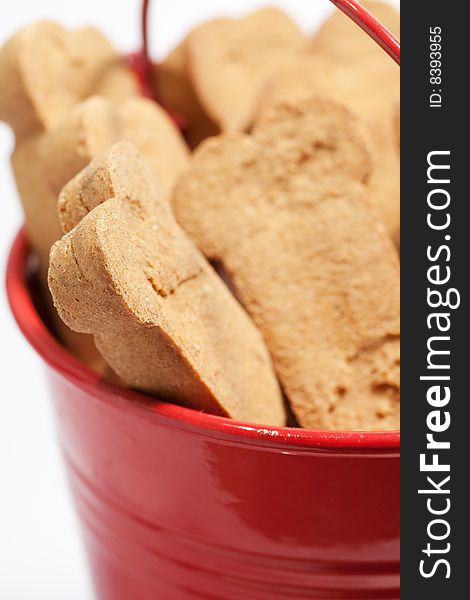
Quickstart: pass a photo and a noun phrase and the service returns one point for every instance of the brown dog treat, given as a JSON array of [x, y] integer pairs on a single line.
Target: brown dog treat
[[343, 40], [175, 91], [97, 123], [173, 85], [44, 163], [230, 59], [43, 229], [341, 82], [45, 71], [284, 213], [148, 126], [108, 176], [109, 72], [32, 185], [160, 316]]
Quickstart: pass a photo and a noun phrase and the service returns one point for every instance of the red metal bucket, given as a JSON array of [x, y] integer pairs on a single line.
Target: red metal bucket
[[177, 504]]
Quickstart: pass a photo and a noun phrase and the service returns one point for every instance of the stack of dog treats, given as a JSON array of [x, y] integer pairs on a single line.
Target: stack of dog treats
[[247, 266]]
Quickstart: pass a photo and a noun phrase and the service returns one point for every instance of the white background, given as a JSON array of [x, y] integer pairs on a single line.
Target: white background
[[40, 553]]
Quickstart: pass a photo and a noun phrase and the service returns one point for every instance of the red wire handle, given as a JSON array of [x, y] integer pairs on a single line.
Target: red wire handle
[[374, 28], [142, 64], [144, 28], [143, 69]]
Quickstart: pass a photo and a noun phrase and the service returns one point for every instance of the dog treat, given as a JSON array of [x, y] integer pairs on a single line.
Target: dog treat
[[45, 71], [45, 162], [159, 314], [148, 126], [175, 91], [352, 85], [110, 175], [284, 213], [341, 39], [212, 78], [229, 60]]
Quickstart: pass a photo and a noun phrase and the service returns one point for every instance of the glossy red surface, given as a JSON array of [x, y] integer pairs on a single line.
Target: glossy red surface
[[177, 504]]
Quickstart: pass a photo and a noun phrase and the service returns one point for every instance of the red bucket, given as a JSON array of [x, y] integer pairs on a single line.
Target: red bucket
[[176, 504]]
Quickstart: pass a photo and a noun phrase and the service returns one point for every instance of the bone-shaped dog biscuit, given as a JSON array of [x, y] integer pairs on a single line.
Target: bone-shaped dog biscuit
[[221, 66], [110, 175], [341, 82], [284, 213], [45, 71], [44, 163], [175, 91], [161, 317], [231, 58]]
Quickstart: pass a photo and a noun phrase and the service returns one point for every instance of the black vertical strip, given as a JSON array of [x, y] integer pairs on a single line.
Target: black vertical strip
[[436, 123]]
